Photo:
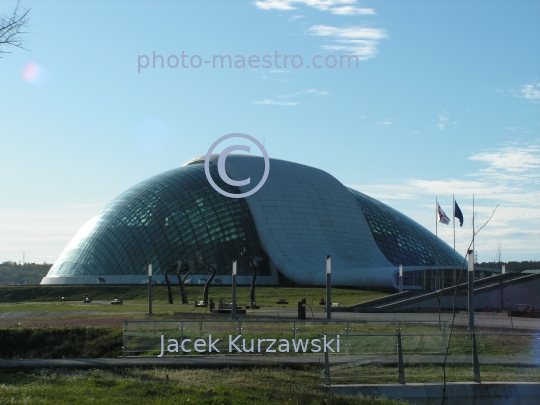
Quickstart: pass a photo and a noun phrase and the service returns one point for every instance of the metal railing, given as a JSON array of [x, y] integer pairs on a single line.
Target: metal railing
[[393, 353], [369, 351], [144, 337]]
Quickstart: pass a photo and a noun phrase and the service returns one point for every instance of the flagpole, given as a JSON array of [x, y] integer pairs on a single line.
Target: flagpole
[[473, 215], [454, 226], [436, 240]]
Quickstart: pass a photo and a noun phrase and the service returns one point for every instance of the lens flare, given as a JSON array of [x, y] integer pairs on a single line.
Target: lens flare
[[35, 74]]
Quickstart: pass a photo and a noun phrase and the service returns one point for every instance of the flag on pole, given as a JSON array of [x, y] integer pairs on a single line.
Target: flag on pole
[[442, 216], [458, 214]]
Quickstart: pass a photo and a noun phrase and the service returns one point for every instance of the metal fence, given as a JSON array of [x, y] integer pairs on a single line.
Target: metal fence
[[369, 352], [387, 357], [144, 337]]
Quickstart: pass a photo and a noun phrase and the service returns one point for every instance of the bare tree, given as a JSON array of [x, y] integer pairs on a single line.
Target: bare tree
[[12, 28]]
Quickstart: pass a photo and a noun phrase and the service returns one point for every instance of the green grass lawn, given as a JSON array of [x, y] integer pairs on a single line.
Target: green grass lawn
[[429, 373], [256, 385], [57, 343], [265, 296], [46, 298], [230, 386]]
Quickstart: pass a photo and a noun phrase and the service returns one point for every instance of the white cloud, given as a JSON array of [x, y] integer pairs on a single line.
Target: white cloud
[[309, 91], [339, 7], [349, 32], [275, 5], [511, 163], [360, 41], [351, 10], [509, 178], [277, 76], [529, 91], [275, 102], [443, 119]]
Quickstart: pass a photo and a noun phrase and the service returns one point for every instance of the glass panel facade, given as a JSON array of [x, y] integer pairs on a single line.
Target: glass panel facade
[[178, 213], [402, 240], [169, 215]]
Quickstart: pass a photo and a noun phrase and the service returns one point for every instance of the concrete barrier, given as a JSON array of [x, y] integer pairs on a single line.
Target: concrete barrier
[[491, 393]]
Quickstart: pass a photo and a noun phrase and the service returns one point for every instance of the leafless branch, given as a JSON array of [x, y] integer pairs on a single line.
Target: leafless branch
[[486, 222], [12, 28]]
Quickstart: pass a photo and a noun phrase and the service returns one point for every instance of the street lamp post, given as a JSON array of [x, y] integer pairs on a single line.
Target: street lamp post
[[233, 290], [150, 289], [400, 278], [476, 365], [328, 287]]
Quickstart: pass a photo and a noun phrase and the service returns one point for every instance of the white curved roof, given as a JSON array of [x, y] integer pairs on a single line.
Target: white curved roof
[[303, 214]]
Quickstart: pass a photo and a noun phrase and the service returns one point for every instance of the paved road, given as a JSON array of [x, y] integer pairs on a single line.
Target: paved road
[[482, 319]]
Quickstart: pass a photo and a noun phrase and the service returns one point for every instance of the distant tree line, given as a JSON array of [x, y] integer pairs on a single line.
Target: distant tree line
[[12, 273], [516, 267]]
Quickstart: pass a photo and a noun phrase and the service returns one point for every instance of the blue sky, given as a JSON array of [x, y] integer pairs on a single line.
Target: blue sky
[[445, 100]]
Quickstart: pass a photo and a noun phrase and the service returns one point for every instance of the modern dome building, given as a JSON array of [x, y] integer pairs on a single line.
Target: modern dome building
[[299, 216]]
